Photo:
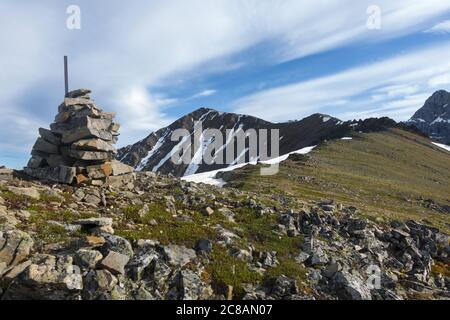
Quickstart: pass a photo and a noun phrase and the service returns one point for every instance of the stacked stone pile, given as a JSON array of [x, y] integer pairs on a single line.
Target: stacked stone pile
[[79, 145]]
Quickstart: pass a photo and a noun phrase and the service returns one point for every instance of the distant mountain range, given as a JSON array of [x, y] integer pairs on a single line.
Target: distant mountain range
[[155, 151], [433, 118]]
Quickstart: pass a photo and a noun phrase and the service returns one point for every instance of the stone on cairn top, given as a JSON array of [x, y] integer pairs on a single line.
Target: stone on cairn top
[[78, 148]]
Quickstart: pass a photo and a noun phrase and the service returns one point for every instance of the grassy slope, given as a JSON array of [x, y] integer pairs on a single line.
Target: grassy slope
[[383, 174]]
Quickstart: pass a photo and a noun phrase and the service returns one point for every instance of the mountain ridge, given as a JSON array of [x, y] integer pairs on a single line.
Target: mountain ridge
[[153, 153], [148, 154]]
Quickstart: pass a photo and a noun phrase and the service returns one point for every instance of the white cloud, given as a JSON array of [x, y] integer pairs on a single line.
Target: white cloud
[[204, 93], [443, 27], [143, 113], [390, 83], [439, 81]]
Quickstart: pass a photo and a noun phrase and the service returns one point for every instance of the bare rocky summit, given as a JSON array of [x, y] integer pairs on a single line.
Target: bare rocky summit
[[79, 145], [433, 118]]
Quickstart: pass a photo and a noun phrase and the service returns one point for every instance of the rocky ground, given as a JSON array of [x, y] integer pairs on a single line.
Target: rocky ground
[[149, 236]]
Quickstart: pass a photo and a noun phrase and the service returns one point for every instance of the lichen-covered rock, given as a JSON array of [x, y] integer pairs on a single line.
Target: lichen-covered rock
[[188, 285], [115, 262], [48, 277], [28, 192], [15, 246], [98, 284], [87, 258], [178, 255], [350, 287]]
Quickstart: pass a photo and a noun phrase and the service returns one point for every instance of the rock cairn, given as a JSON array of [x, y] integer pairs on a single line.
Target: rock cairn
[[78, 148]]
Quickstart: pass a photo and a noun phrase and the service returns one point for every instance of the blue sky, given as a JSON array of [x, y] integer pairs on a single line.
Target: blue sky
[[154, 61]]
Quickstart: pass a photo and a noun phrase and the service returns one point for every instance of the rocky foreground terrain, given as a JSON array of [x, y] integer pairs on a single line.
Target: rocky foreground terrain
[[149, 236]]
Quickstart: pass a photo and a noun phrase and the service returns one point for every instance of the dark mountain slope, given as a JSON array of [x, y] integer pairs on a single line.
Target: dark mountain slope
[[154, 152], [434, 117]]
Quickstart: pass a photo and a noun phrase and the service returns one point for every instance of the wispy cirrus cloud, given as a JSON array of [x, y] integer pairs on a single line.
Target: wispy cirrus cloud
[[398, 86], [204, 93], [121, 50], [442, 27]]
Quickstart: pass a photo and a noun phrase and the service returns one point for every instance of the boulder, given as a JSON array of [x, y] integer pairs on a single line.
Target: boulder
[[190, 286], [178, 255], [98, 284], [47, 135], [85, 127], [48, 277], [283, 286], [119, 168], [93, 145], [87, 258], [88, 155], [44, 146], [78, 93], [208, 211], [28, 192], [61, 174], [35, 161], [115, 262], [266, 259], [140, 262], [100, 171], [318, 257], [204, 245], [117, 244], [15, 247], [94, 222], [350, 287]]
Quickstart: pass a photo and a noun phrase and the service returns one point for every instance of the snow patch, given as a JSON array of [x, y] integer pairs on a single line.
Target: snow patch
[[439, 119], [443, 146], [171, 153], [198, 156], [153, 151], [284, 157], [209, 177], [346, 138]]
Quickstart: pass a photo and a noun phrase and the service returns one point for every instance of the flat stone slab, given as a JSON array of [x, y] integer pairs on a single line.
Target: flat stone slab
[[78, 93], [28, 192], [6, 174], [95, 222], [178, 255], [115, 262], [61, 174]]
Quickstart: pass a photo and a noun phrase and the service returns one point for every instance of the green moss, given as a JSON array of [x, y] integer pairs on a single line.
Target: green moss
[[175, 232], [51, 233], [289, 268], [227, 270], [17, 201], [156, 211], [66, 216], [49, 198]]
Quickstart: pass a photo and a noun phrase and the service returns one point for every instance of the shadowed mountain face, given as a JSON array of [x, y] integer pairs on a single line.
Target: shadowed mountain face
[[433, 118], [154, 152]]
